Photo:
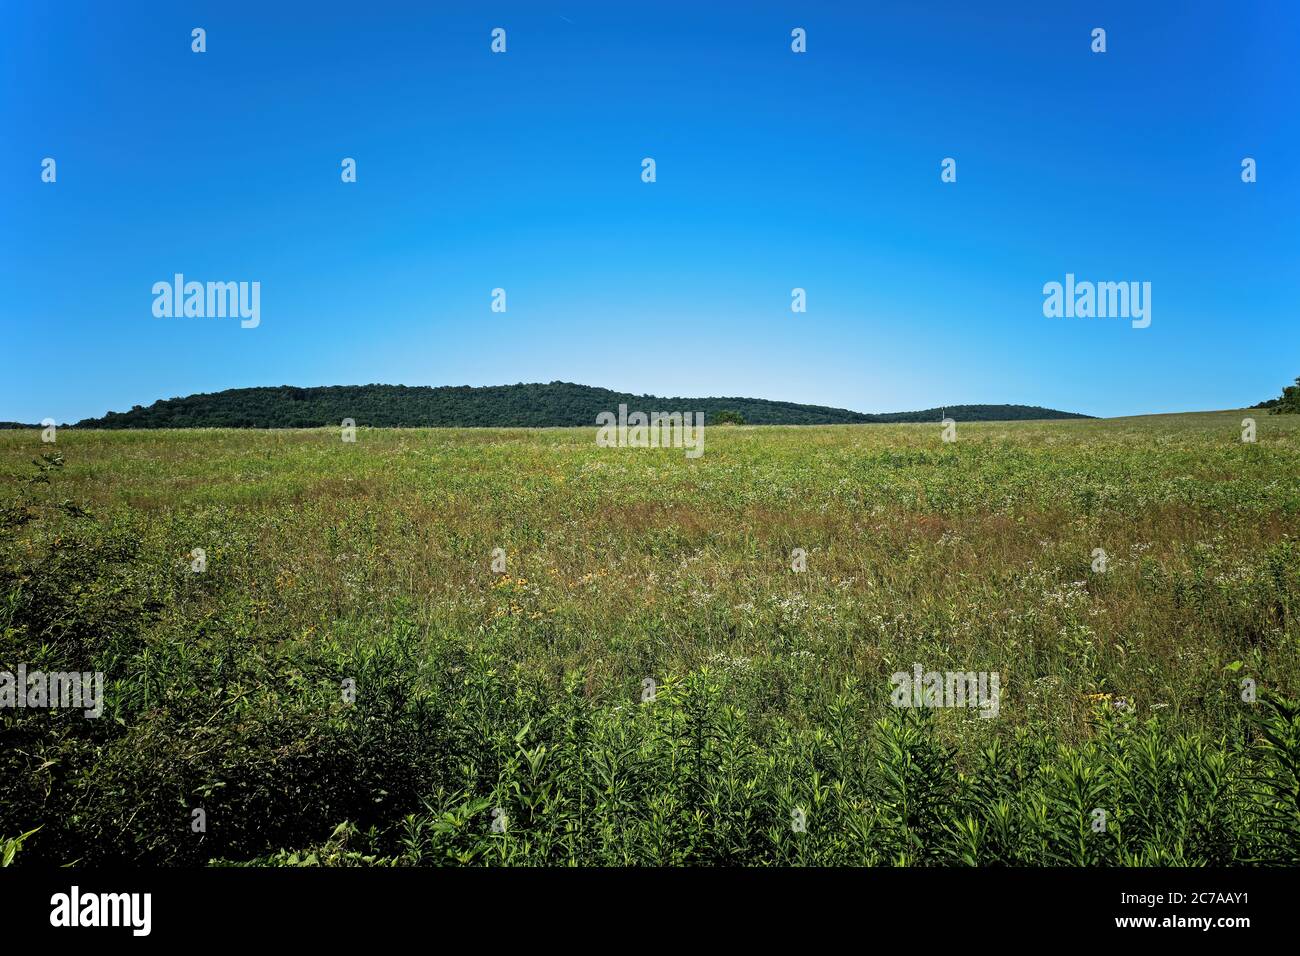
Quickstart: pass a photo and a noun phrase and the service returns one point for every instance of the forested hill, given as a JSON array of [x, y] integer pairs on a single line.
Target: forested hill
[[522, 406]]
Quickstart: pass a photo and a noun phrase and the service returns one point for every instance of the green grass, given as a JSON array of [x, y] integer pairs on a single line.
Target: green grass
[[371, 561]]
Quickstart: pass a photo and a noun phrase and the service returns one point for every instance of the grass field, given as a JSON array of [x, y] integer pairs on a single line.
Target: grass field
[[348, 680]]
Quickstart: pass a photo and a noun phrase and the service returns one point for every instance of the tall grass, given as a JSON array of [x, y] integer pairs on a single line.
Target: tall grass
[[518, 694]]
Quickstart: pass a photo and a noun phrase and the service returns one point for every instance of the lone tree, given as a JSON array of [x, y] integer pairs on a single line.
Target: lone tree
[[727, 417]]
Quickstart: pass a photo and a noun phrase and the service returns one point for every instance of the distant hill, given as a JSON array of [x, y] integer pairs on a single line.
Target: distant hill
[[1287, 404], [516, 406]]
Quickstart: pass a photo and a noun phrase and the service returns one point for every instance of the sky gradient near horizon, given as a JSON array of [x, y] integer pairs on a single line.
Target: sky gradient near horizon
[[775, 170]]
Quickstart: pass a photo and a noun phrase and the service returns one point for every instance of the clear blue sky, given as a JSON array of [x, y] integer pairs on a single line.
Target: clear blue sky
[[775, 170]]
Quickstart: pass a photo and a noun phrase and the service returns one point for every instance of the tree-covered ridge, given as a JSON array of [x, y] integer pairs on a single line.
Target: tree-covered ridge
[[536, 405], [1287, 404]]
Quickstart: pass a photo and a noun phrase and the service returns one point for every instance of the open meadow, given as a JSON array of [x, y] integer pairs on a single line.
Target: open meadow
[[311, 648]]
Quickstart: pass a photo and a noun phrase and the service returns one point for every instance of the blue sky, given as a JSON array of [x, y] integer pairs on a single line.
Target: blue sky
[[775, 170]]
